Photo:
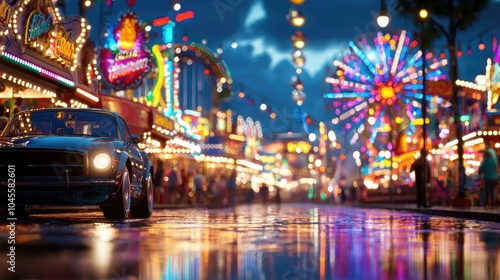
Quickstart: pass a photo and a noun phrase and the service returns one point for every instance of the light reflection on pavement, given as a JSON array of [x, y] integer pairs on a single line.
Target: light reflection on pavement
[[296, 241]]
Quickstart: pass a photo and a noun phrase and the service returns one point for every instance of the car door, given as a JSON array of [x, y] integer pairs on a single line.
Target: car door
[[133, 149]]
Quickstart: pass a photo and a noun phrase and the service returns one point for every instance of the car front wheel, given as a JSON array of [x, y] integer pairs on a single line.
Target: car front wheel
[[121, 207], [145, 208]]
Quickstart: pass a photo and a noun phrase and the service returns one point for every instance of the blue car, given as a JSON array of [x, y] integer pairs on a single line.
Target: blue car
[[63, 156]]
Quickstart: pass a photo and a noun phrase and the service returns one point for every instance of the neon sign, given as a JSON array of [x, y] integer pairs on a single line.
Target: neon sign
[[298, 147], [4, 13], [125, 60], [38, 27]]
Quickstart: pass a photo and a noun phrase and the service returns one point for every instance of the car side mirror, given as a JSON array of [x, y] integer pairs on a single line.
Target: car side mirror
[[134, 138]]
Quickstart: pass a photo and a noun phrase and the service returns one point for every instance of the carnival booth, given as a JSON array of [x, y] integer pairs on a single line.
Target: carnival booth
[[45, 60], [477, 132], [233, 146]]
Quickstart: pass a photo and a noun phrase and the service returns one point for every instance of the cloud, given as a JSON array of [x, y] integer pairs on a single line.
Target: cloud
[[261, 46], [318, 58], [257, 13]]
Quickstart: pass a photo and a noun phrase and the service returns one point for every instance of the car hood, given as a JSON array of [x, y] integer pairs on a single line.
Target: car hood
[[56, 142]]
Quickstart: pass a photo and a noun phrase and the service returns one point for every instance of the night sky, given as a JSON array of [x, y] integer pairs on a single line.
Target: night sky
[[262, 61]]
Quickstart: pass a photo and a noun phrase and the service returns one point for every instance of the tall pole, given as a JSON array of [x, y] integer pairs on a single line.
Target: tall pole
[[451, 35], [391, 183], [424, 115], [456, 115], [424, 84]]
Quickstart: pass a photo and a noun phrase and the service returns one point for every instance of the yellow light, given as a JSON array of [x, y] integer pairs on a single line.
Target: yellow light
[[423, 14], [296, 18], [299, 44], [387, 92], [298, 40], [298, 21]]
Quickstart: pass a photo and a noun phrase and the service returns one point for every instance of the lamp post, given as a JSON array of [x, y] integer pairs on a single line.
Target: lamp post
[[455, 22], [391, 183], [423, 15], [382, 21]]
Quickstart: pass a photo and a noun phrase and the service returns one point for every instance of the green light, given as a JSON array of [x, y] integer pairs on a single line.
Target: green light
[[465, 118]]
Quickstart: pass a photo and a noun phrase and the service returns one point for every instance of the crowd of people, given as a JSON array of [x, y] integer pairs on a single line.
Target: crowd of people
[[178, 185], [483, 189]]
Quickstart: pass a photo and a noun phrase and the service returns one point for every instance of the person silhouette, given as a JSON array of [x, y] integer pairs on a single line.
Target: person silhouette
[[421, 168]]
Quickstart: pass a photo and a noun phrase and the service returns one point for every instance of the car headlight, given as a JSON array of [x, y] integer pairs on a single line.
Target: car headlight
[[102, 161]]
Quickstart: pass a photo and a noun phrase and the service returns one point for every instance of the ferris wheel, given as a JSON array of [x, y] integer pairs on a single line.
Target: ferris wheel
[[373, 94]]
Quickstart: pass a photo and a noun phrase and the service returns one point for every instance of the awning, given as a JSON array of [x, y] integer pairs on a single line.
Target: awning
[[30, 85], [26, 93]]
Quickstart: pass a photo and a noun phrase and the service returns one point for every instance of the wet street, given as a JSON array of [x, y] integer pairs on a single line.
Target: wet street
[[291, 241]]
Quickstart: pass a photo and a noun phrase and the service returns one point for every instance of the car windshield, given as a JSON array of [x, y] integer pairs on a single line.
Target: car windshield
[[81, 123]]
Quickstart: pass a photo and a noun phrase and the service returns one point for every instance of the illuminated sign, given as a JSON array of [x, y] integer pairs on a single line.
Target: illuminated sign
[[162, 121], [125, 59], [38, 27], [233, 147], [5, 10], [268, 161], [298, 147]]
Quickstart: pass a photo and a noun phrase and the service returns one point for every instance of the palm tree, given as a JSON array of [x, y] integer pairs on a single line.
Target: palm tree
[[446, 19]]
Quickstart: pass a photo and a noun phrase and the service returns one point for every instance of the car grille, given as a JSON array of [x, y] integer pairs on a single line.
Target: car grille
[[42, 163]]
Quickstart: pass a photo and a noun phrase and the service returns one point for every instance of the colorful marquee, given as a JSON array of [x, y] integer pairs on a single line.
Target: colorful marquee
[[125, 59], [37, 25]]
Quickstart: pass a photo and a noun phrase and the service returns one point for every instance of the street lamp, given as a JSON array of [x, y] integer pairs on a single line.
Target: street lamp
[[298, 40], [423, 15], [450, 35], [296, 18], [383, 16]]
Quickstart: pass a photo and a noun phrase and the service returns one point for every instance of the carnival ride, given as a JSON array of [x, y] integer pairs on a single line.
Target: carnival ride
[[373, 97]]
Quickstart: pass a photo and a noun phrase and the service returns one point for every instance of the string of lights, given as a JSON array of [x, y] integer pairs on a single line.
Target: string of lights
[[285, 119], [296, 19]]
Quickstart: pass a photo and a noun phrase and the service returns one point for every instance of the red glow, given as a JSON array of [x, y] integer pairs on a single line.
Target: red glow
[[469, 51], [459, 53], [206, 72], [481, 46], [185, 38], [161, 21], [184, 16], [131, 3], [442, 55], [308, 120]]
